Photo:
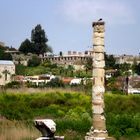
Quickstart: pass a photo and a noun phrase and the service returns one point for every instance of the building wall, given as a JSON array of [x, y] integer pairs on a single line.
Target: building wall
[[6, 72], [2, 43], [127, 59], [77, 59]]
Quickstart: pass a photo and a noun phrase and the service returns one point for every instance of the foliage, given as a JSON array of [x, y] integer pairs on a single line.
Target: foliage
[[122, 115], [13, 84], [39, 40], [26, 47], [37, 45], [138, 69], [88, 64], [34, 61], [46, 63], [55, 82], [71, 111], [109, 61], [3, 55], [123, 69], [20, 69]]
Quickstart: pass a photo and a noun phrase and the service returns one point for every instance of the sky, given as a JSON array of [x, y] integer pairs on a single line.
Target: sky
[[68, 23]]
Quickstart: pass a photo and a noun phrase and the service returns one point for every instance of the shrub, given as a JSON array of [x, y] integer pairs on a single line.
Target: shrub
[[56, 82], [34, 61], [13, 84]]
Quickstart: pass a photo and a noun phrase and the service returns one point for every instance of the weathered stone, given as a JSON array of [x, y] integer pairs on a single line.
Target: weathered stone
[[99, 122], [98, 81], [98, 102], [98, 109], [98, 72], [98, 41], [98, 56], [98, 132], [98, 64], [98, 49], [98, 89], [99, 28], [97, 34]]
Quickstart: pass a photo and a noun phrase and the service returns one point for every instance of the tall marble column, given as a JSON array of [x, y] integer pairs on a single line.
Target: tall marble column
[[98, 130]]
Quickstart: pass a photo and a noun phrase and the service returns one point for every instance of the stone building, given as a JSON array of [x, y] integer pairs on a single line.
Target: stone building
[[77, 59], [129, 59], [7, 70]]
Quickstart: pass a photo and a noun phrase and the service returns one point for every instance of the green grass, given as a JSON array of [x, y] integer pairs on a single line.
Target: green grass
[[72, 111]]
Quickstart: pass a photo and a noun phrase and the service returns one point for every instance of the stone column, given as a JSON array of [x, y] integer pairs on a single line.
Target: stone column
[[98, 130]]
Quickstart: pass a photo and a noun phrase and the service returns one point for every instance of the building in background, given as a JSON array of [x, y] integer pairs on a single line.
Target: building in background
[[7, 70], [2, 44], [74, 58]]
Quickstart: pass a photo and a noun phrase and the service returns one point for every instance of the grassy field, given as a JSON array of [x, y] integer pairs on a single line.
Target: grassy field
[[70, 110]]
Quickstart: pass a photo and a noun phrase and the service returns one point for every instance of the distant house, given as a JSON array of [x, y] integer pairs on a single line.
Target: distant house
[[7, 69], [76, 59]]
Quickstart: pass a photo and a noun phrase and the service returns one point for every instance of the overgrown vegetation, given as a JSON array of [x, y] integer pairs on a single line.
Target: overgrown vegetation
[[72, 111]]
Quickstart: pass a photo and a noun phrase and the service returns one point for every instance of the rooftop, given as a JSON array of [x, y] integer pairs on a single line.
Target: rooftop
[[6, 62]]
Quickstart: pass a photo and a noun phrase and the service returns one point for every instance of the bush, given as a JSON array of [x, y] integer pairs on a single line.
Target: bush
[[20, 69], [55, 82], [13, 84], [72, 111], [34, 61]]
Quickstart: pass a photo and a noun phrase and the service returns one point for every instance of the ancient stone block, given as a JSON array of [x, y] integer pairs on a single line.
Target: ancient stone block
[[99, 49], [98, 72], [98, 64], [99, 28], [98, 81], [98, 56], [98, 89], [98, 41], [99, 122], [99, 34], [98, 109]]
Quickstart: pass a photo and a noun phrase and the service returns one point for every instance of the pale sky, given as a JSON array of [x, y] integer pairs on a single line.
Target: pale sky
[[68, 23]]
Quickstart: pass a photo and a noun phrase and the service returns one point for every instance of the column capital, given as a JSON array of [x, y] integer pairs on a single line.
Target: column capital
[[98, 23]]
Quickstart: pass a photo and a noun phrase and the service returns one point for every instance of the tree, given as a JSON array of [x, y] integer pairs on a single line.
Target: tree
[[3, 55], [39, 40], [138, 69], [124, 69], [134, 66], [60, 53], [88, 65], [34, 61], [27, 47], [109, 61]]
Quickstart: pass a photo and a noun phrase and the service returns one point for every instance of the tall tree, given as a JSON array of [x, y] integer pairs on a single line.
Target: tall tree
[[109, 61], [26, 47], [40, 40]]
